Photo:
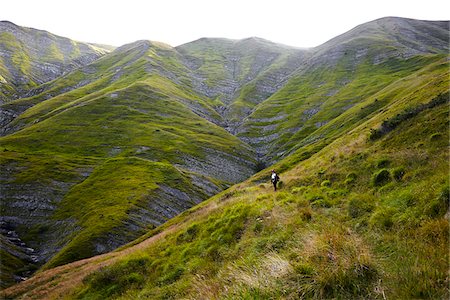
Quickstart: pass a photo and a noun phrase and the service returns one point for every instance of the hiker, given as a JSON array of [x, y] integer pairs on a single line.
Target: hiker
[[274, 178]]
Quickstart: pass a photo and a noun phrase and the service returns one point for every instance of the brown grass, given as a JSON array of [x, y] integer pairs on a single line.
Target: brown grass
[[60, 281]]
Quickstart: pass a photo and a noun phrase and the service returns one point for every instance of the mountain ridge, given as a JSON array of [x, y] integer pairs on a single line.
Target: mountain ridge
[[42, 56]]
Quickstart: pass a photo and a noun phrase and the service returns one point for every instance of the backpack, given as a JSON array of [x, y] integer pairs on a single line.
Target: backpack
[[275, 177]]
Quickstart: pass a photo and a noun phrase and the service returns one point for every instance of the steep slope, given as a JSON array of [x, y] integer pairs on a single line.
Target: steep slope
[[338, 75], [30, 57], [121, 146], [239, 74], [364, 217]]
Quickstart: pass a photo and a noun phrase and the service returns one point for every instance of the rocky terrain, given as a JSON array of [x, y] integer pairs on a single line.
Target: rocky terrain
[[30, 57]]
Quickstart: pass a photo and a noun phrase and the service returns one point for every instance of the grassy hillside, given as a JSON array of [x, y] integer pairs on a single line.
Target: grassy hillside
[[116, 148], [31, 57], [345, 72], [146, 151], [239, 74], [365, 217]]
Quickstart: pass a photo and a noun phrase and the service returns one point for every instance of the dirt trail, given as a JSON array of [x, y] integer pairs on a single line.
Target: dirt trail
[[57, 282]]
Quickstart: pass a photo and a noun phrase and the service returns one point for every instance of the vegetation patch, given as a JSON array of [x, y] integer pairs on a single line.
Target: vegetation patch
[[390, 124], [381, 177]]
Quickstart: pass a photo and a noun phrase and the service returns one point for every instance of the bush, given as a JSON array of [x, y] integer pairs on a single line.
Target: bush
[[298, 190], [392, 123], [115, 279], [350, 178], [436, 136], [305, 213], [172, 274], [383, 218], [337, 266], [188, 235], [381, 177], [398, 173], [322, 203], [383, 163], [325, 183], [439, 206], [360, 205]]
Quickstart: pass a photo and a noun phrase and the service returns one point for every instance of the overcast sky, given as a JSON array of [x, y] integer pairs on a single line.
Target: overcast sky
[[297, 23]]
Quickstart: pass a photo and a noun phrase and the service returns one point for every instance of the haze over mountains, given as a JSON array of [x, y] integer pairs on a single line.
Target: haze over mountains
[[101, 145]]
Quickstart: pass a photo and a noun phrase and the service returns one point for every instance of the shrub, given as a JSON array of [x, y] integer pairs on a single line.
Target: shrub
[[282, 196], [350, 178], [440, 205], [115, 279], [337, 266], [188, 235], [398, 173], [322, 203], [383, 218], [258, 227], [381, 177], [303, 269], [298, 190], [172, 274], [336, 193], [305, 213], [325, 183], [392, 123], [321, 172], [360, 205], [436, 136], [383, 163]]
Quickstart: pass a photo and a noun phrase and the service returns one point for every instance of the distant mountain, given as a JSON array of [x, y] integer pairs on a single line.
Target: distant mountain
[[30, 57], [113, 148], [239, 74], [338, 75]]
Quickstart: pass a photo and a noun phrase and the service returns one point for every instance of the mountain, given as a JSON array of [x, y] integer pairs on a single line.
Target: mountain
[[239, 74], [114, 149], [148, 150], [335, 77], [30, 57]]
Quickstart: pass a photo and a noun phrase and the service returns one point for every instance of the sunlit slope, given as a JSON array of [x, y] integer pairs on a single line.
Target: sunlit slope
[[124, 66], [30, 57], [366, 216], [338, 76]]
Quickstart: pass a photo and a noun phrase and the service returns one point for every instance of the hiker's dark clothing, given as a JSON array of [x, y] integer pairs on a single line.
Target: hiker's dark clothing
[[274, 180]]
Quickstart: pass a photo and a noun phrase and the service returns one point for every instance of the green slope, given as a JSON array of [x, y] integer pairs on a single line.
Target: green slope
[[364, 217], [348, 70], [31, 57], [109, 159], [360, 218], [239, 74]]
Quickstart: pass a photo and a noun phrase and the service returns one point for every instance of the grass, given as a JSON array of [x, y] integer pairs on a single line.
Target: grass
[[249, 241], [355, 217], [128, 142], [25, 58]]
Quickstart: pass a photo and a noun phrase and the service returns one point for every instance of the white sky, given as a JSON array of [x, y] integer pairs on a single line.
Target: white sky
[[301, 23]]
